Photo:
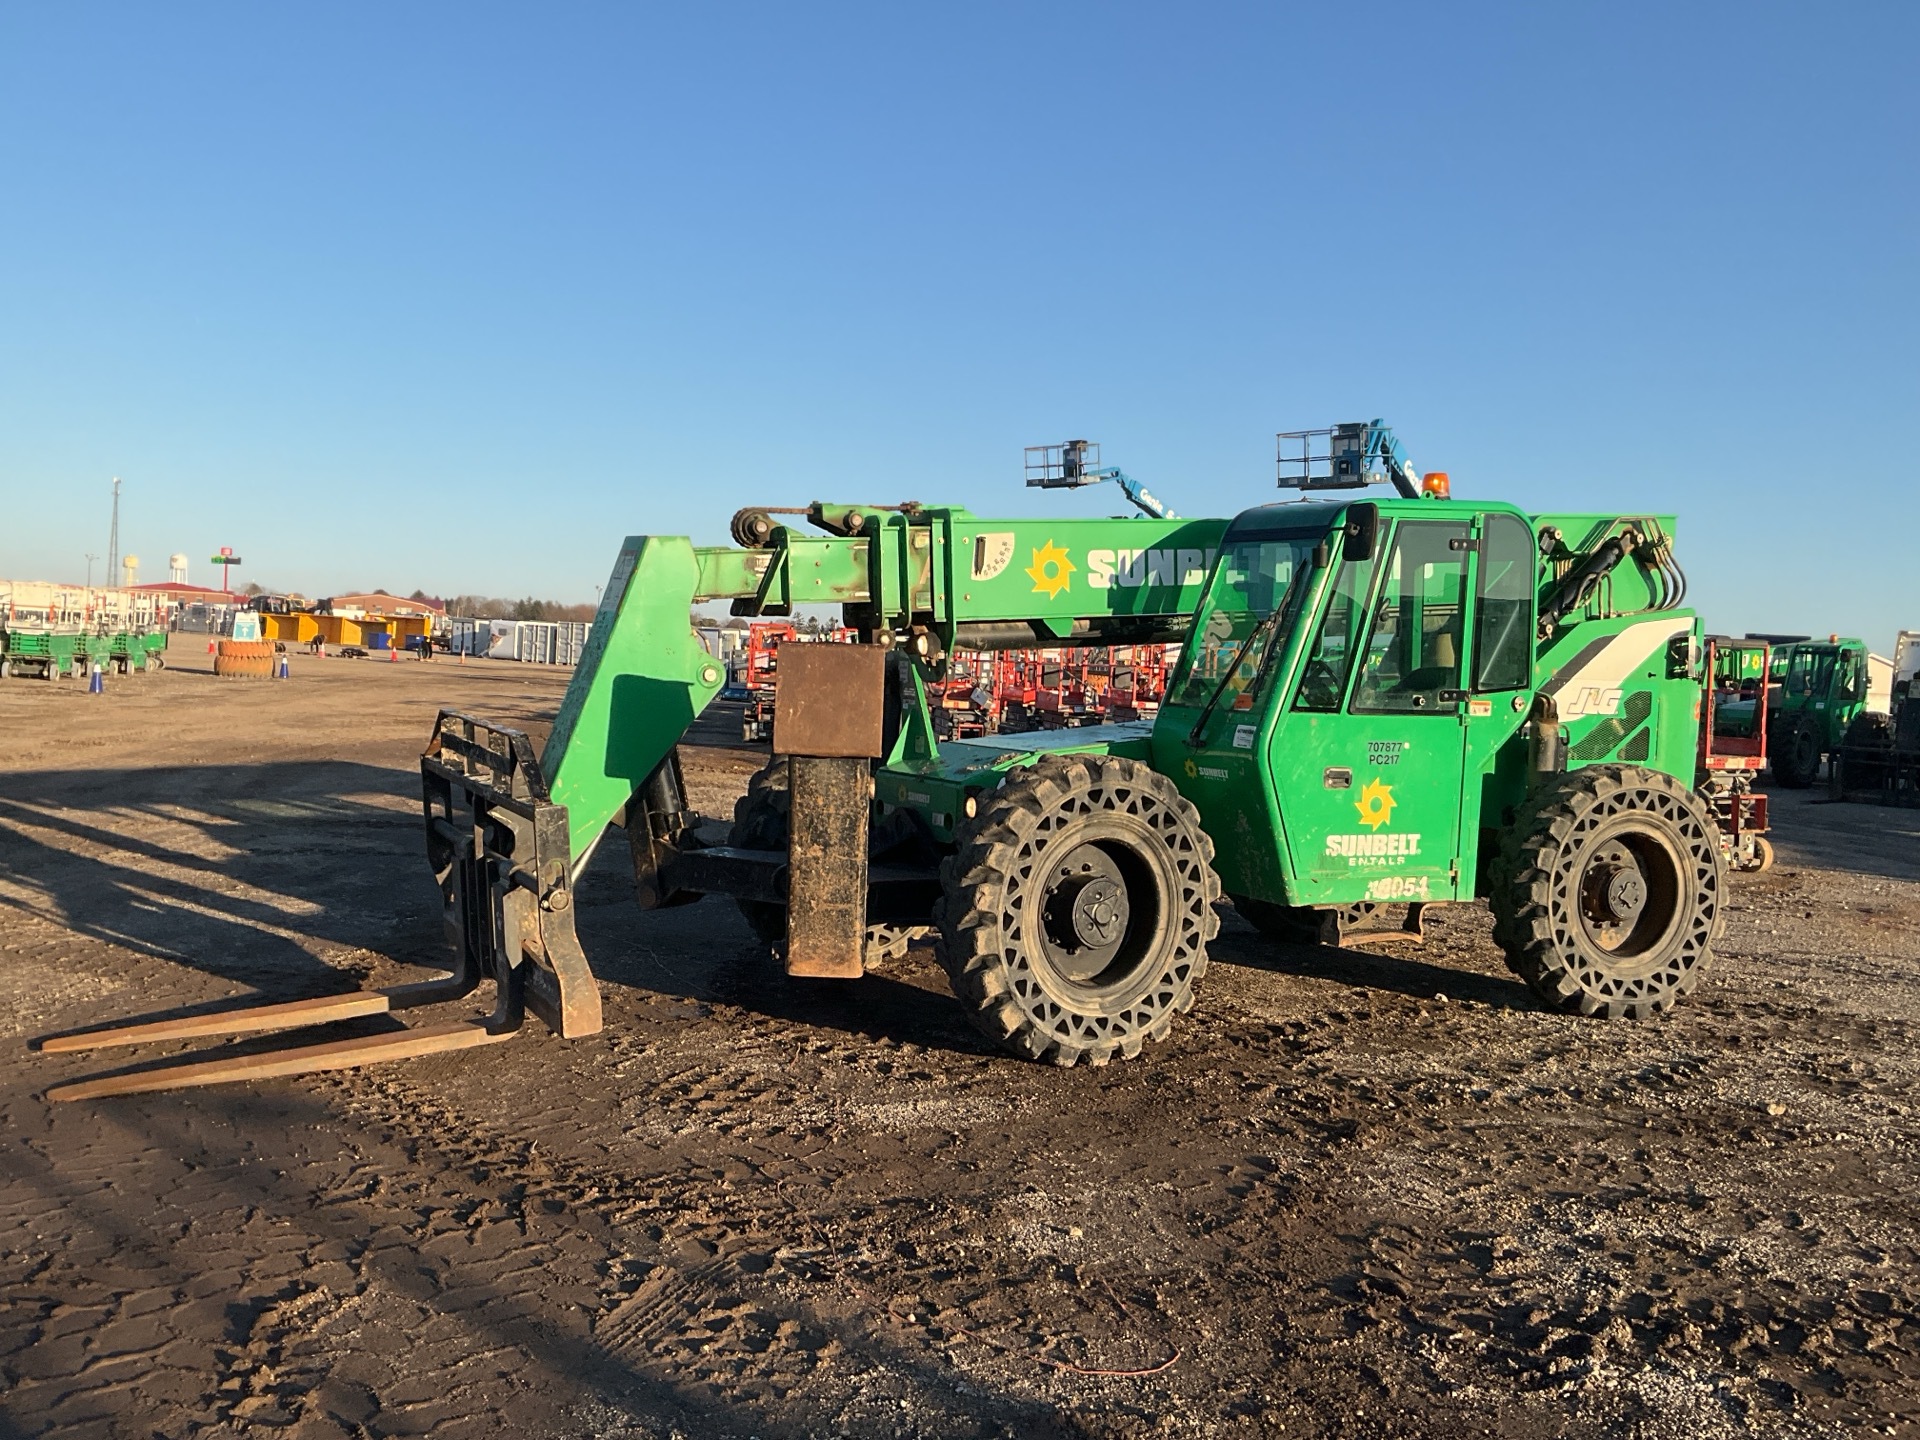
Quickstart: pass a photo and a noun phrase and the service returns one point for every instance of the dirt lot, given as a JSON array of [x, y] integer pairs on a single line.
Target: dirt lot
[[1349, 1197]]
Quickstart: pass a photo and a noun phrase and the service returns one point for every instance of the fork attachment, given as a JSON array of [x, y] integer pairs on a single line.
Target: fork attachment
[[499, 849]]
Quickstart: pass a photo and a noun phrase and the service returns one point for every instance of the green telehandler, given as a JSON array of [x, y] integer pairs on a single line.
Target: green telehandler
[[1380, 705], [1816, 689]]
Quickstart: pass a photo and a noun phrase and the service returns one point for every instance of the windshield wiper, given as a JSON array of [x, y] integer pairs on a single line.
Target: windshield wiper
[[1272, 617]]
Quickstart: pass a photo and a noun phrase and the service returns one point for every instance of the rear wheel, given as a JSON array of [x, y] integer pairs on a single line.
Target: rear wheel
[[1865, 761], [1077, 909], [1607, 897], [1796, 764]]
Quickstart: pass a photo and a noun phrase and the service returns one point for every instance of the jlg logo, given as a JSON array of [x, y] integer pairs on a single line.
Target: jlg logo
[[1592, 700]]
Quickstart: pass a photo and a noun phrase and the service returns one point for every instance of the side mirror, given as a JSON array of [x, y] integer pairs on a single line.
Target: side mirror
[[1684, 657], [1361, 532]]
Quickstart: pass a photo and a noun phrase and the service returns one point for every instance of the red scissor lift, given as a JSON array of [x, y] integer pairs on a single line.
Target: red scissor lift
[[1008, 691], [1013, 690], [761, 674], [1061, 693], [1733, 748], [1136, 681], [962, 701]]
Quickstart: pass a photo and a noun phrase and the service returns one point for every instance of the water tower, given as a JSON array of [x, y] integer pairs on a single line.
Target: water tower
[[177, 569], [130, 569]]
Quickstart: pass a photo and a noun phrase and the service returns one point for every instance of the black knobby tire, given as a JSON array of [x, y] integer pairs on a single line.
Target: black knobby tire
[[1866, 753], [760, 819], [1796, 761], [1609, 892], [1077, 908]]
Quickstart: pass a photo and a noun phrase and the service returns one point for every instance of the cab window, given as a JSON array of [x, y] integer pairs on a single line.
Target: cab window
[[1323, 680], [1810, 673], [1847, 682], [1413, 649], [1255, 590], [1503, 617]]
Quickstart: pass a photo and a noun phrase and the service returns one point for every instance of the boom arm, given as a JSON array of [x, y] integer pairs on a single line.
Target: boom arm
[[933, 578]]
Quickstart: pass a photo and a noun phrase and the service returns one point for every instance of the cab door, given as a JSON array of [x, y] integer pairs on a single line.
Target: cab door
[[1500, 681], [1368, 754]]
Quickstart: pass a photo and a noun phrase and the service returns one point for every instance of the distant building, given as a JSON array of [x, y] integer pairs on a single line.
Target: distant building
[[378, 604], [172, 592]]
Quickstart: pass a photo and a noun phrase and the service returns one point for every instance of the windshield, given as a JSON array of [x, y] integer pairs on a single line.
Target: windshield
[[1810, 672], [1250, 580]]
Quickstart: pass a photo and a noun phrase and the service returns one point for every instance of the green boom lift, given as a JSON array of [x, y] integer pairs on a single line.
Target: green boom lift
[[1380, 705]]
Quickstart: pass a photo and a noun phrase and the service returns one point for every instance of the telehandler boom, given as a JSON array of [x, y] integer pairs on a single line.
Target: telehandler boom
[[1379, 706]]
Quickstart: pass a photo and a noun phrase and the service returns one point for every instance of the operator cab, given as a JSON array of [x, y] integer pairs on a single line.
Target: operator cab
[[1337, 657]]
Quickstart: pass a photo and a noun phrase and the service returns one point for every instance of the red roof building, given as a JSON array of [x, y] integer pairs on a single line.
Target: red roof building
[[172, 592], [379, 604]]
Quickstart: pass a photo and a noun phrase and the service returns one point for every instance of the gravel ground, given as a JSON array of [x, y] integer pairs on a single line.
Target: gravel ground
[[1350, 1196]]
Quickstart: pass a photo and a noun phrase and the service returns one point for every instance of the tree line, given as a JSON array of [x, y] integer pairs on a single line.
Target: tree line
[[488, 607]]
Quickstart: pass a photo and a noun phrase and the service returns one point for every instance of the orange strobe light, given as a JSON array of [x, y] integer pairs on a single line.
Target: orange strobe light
[[1435, 486]]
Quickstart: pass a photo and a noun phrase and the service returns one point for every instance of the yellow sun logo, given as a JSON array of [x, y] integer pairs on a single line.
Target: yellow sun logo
[[1050, 570], [1375, 804], [1193, 771]]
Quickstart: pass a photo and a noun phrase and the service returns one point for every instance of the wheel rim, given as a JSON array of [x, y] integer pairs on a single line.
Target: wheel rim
[[1636, 896], [1093, 924], [1629, 893], [1094, 917]]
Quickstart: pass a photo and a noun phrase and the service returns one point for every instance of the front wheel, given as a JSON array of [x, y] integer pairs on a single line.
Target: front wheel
[[1607, 897], [1077, 908], [1797, 762]]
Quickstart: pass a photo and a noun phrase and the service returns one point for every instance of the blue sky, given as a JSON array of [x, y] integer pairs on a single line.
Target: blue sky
[[455, 296]]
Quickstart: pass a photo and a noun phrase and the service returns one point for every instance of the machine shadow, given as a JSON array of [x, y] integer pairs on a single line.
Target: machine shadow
[[1400, 970], [249, 873], [513, 1316], [705, 953], [1813, 831]]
